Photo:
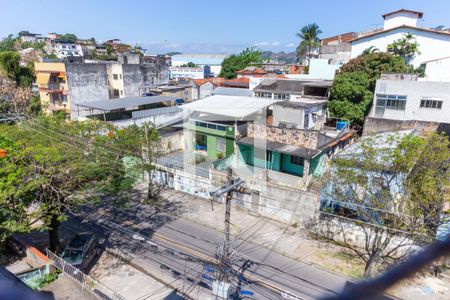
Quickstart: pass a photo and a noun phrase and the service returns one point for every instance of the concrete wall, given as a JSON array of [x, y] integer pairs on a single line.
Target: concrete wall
[[415, 91], [205, 90], [87, 83], [400, 18], [376, 125], [135, 76], [431, 45]]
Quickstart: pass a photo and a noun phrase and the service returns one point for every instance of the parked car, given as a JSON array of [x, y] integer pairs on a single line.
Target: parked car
[[81, 250]]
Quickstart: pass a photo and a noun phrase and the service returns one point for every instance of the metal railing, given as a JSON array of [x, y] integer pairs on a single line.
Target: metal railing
[[96, 288]]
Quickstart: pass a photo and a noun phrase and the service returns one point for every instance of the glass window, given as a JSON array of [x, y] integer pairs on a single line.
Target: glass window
[[397, 102], [115, 76], [297, 160], [431, 103], [282, 96]]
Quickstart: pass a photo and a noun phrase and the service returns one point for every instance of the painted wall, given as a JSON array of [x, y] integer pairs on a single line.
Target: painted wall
[[415, 91], [400, 18], [438, 70], [431, 45], [289, 167], [135, 76]]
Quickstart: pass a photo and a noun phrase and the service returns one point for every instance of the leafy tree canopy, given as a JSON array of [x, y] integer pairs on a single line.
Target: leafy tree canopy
[[352, 91], [233, 63], [11, 68], [69, 37], [309, 41]]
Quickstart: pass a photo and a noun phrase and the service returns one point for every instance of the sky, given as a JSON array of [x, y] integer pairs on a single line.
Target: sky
[[202, 26]]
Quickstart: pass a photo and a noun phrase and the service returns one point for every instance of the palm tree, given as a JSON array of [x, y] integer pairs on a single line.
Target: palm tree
[[309, 41], [370, 50]]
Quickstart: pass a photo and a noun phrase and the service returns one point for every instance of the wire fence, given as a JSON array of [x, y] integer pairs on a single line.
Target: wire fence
[[96, 288]]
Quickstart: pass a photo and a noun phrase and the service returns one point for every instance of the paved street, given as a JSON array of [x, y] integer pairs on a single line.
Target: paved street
[[176, 250]]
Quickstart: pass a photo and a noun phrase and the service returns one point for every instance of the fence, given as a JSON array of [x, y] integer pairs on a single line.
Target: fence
[[99, 290]]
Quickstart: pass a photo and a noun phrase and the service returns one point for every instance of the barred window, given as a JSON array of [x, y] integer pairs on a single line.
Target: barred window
[[431, 103], [397, 102]]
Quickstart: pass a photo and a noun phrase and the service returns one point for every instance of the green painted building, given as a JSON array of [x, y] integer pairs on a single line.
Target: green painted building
[[217, 140]]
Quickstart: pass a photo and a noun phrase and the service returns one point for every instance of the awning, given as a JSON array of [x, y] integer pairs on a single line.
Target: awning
[[42, 78], [279, 147]]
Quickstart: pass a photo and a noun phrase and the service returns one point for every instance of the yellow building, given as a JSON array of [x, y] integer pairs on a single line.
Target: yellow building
[[52, 83]]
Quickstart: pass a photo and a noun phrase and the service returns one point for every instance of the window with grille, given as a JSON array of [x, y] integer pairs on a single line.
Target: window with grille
[[297, 160], [396, 102], [431, 103], [220, 145]]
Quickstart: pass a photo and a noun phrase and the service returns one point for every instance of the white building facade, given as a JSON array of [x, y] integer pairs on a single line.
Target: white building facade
[[432, 44], [411, 100], [64, 49], [213, 61], [186, 72]]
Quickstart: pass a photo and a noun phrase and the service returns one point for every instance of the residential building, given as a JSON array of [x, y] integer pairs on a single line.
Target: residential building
[[319, 69], [214, 61], [132, 111], [437, 69], [181, 92], [287, 89], [299, 114], [62, 85], [63, 49], [26, 36], [52, 86], [201, 89], [433, 43], [402, 102], [178, 73], [251, 71], [337, 49]]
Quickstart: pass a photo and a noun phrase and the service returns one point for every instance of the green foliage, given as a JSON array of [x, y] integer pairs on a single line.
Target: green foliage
[[65, 173], [235, 63], [370, 50], [173, 53], [189, 65], [352, 91], [68, 37], [399, 185], [10, 66], [406, 47], [46, 279], [355, 97], [309, 41], [8, 43]]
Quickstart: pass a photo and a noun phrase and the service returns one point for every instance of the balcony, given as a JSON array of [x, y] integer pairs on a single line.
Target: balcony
[[53, 88]]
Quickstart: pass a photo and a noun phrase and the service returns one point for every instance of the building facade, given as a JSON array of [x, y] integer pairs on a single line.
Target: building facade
[[213, 61], [432, 43], [337, 49]]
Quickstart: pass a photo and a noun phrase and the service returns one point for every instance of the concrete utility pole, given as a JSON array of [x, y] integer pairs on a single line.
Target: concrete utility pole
[[221, 287]]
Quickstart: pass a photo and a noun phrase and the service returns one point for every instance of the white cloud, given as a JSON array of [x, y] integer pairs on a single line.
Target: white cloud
[[261, 44], [275, 43], [290, 45]]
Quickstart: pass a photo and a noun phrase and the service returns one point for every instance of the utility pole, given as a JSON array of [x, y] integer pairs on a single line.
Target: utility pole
[[221, 287]]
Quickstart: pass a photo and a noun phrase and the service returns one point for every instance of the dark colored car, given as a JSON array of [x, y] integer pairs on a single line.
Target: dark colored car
[[81, 250]]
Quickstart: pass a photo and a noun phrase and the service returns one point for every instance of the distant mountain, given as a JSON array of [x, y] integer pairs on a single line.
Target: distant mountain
[[288, 58]]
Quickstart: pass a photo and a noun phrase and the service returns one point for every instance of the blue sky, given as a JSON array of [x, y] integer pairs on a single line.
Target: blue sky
[[206, 26]]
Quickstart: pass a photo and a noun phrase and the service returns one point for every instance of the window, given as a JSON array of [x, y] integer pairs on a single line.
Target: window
[[220, 145], [120, 76], [269, 155], [396, 102], [431, 103], [63, 46], [121, 92], [282, 96], [115, 93], [297, 160], [263, 95], [115, 76]]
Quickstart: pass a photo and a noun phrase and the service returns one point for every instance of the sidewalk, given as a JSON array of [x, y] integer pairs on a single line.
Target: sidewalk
[[294, 242]]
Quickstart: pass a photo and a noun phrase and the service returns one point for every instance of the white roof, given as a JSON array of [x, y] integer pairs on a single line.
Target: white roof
[[230, 106]]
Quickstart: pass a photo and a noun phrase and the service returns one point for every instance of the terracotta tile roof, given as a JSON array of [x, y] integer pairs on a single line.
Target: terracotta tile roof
[[251, 71]]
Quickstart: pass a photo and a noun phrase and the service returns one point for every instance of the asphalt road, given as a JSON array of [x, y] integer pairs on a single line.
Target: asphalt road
[[180, 249]]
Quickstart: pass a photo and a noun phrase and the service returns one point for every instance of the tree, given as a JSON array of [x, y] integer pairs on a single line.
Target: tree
[[62, 174], [370, 50], [68, 37], [233, 63], [352, 91], [11, 68], [189, 65], [8, 43], [382, 187], [309, 41], [406, 47]]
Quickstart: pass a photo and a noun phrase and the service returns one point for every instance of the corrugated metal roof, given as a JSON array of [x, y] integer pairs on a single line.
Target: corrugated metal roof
[[229, 106], [122, 103], [232, 91]]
